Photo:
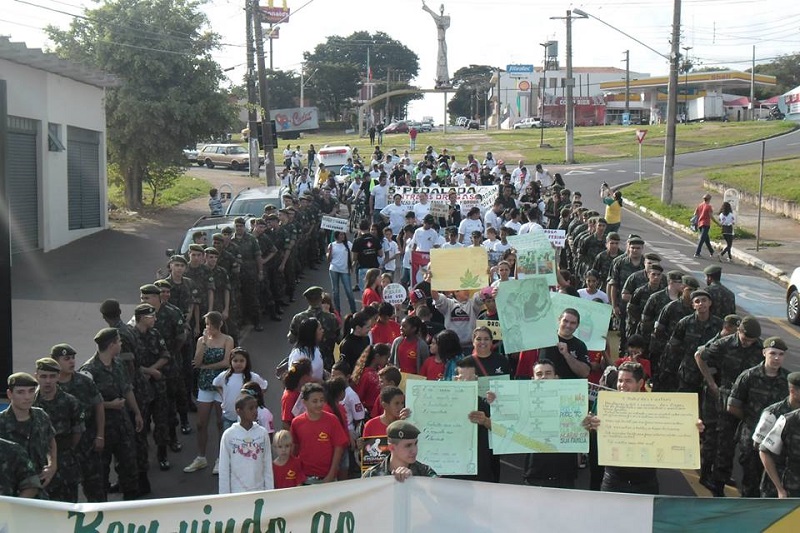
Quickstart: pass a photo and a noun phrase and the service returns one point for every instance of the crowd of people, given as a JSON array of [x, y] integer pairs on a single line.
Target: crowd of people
[[342, 377]]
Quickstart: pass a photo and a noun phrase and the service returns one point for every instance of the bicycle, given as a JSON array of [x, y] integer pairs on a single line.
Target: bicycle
[[358, 213]]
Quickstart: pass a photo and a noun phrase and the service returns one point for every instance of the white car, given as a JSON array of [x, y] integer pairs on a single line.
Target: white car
[[793, 298], [527, 123]]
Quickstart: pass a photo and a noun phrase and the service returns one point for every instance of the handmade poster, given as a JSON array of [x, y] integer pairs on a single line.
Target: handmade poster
[[466, 197], [405, 377], [557, 237], [526, 319], [334, 223], [419, 265], [394, 293], [647, 429], [595, 317], [539, 416], [449, 441], [485, 383], [439, 209], [536, 257], [455, 269], [375, 450], [494, 327]]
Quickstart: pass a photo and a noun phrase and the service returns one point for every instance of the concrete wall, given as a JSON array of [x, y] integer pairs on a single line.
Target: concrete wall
[[50, 98], [770, 203]]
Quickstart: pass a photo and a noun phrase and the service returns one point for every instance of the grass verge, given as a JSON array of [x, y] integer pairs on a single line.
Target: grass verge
[[186, 188]]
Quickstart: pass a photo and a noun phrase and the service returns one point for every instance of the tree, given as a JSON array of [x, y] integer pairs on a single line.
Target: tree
[[284, 89], [786, 69], [169, 94], [332, 86], [472, 92]]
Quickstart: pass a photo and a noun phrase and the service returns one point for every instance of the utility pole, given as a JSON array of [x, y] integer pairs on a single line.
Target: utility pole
[[270, 45], [627, 81], [252, 99], [570, 108], [266, 125], [497, 105], [686, 67], [672, 107], [546, 46], [753, 86], [388, 79]]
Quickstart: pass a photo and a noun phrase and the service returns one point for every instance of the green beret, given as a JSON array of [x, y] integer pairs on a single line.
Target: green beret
[[775, 342], [21, 379], [177, 259], [794, 379], [690, 281], [218, 237], [652, 256], [290, 209], [712, 270], [734, 320], [288, 195], [613, 236], [656, 268], [269, 207], [144, 310], [196, 248], [163, 284], [61, 350], [271, 217], [675, 275], [750, 327], [47, 364], [110, 308], [227, 230], [313, 292], [700, 292], [306, 196], [261, 222], [636, 240], [105, 335], [211, 251], [150, 288], [283, 211], [402, 430]]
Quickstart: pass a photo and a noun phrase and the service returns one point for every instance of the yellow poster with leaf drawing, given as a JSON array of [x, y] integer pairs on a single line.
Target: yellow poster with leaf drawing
[[455, 269]]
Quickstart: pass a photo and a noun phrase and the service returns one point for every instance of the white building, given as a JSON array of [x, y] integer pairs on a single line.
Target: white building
[[56, 144]]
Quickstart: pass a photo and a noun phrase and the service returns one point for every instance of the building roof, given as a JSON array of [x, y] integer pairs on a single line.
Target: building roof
[[38, 59], [727, 79]]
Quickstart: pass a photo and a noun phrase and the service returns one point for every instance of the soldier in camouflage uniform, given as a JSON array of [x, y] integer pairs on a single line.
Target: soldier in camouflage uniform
[[781, 449], [153, 358], [621, 270], [276, 267], [18, 478], [594, 244], [114, 385], [90, 448], [653, 306], [754, 390], [769, 417], [678, 369], [723, 298], [200, 274], [231, 260], [66, 416], [222, 292], [640, 295], [602, 261], [327, 320], [289, 270], [183, 291], [402, 460], [668, 318], [250, 253], [720, 362], [30, 427], [268, 252]]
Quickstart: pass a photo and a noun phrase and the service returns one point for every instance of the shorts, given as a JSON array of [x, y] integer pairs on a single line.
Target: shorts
[[208, 396]]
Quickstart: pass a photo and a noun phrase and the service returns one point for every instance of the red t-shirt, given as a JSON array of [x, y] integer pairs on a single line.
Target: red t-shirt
[[595, 356], [342, 413], [370, 296], [432, 370], [289, 475], [704, 214], [368, 387], [385, 333], [288, 401], [645, 366], [315, 441], [377, 408], [374, 428], [407, 355], [527, 358]]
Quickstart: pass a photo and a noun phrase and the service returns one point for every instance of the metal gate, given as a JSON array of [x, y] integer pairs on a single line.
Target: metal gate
[[83, 178], [22, 184]]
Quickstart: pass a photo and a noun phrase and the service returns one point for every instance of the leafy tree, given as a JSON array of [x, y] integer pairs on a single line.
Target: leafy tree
[[169, 93], [472, 90], [284, 89], [333, 85], [159, 178], [786, 69]]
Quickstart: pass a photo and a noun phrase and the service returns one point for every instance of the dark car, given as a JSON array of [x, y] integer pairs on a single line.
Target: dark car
[[397, 127], [473, 125]]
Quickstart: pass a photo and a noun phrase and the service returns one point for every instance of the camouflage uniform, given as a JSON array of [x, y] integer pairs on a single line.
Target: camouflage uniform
[[266, 296], [222, 285], [769, 417], [82, 387], [204, 282], [184, 296], [636, 305], [655, 303], [290, 270], [602, 263], [113, 382], [621, 269], [383, 469], [231, 261], [783, 442], [330, 326], [679, 371], [16, 470], [249, 251], [753, 392], [729, 359], [152, 348], [178, 374], [723, 299], [34, 434], [278, 280], [662, 331], [589, 249], [66, 416]]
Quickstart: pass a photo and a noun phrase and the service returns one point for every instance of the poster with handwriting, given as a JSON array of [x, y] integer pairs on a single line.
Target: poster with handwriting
[[647, 429], [526, 319], [536, 257], [456, 269], [485, 383], [595, 318], [448, 441], [541, 416], [405, 377], [494, 327]]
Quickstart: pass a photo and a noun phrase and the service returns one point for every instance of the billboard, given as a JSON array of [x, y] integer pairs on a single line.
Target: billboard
[[273, 15], [519, 69]]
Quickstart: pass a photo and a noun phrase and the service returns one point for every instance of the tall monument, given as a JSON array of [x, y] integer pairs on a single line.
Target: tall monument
[[442, 23]]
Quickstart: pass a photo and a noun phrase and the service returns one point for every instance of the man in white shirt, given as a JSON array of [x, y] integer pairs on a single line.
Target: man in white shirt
[[395, 213], [517, 172], [379, 197], [543, 176], [489, 161], [531, 226], [423, 207], [494, 217], [425, 237], [498, 169]]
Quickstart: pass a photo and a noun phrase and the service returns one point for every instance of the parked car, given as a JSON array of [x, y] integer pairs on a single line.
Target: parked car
[[530, 122], [425, 126], [397, 127], [234, 156], [209, 225], [252, 201], [334, 157], [473, 125], [190, 154], [793, 298]]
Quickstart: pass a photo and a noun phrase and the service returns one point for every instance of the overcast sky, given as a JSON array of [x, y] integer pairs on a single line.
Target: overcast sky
[[496, 32]]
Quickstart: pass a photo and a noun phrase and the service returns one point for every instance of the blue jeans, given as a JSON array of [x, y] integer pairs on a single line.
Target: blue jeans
[[362, 273], [344, 279], [704, 239]]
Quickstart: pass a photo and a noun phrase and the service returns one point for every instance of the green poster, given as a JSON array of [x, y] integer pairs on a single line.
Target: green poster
[[595, 317], [536, 257], [485, 383], [448, 441], [526, 319], [539, 416]]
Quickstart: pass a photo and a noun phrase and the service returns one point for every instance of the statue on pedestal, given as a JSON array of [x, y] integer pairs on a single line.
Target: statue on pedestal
[[442, 23]]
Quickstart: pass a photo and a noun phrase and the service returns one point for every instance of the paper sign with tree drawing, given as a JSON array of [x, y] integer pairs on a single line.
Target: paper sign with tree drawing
[[455, 269]]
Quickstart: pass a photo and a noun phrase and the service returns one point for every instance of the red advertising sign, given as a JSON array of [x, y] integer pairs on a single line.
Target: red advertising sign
[[640, 134], [274, 15]]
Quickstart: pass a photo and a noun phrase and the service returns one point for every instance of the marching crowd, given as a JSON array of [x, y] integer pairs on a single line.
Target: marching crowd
[[180, 352]]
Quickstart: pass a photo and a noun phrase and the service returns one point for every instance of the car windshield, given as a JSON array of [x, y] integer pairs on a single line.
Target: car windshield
[[237, 150], [252, 206]]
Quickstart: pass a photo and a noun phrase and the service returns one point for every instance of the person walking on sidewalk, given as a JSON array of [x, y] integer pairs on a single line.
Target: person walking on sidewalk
[[704, 212], [727, 219]]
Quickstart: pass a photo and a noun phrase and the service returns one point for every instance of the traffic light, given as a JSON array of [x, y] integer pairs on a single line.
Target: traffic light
[[261, 135]]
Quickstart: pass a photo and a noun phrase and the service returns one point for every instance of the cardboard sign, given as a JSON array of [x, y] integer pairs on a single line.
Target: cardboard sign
[[439, 209], [394, 293], [556, 236], [334, 223], [494, 327], [375, 450]]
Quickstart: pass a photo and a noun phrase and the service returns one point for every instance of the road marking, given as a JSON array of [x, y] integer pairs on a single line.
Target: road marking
[[624, 171], [579, 172], [785, 327]]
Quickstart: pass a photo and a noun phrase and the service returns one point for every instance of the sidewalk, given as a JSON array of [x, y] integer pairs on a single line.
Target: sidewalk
[[779, 250]]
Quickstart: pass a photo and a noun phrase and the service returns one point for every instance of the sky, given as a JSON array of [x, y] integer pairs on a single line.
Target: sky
[[499, 32]]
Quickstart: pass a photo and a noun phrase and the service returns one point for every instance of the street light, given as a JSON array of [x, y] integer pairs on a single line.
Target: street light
[[686, 67]]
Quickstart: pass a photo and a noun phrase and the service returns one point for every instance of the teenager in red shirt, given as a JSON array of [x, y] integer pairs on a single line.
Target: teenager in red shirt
[[386, 330], [388, 375], [393, 402], [298, 375], [635, 354], [372, 284], [334, 395], [365, 378], [286, 468], [319, 438], [410, 351]]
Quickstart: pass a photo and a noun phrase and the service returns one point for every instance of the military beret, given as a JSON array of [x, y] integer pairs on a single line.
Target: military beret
[[700, 292], [290, 209], [177, 259], [227, 230], [656, 268], [690, 281], [288, 195], [711, 270], [675, 275], [47, 364], [61, 350], [150, 288], [110, 307], [775, 342], [21, 379], [238, 220], [592, 214], [652, 256], [269, 207], [211, 251], [270, 217], [313, 292], [400, 429], [750, 327], [144, 310], [196, 248], [306, 197], [261, 222], [163, 284], [105, 335], [794, 379], [613, 236], [283, 211], [733, 320], [218, 237], [636, 240]]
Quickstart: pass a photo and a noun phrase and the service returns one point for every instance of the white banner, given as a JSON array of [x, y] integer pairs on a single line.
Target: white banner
[[467, 197], [334, 223], [556, 236]]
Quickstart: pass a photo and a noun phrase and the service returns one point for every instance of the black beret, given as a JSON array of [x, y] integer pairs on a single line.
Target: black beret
[[144, 310], [196, 248], [218, 237], [163, 284], [700, 292], [675, 275], [313, 292], [238, 220], [794, 379], [652, 256], [211, 251], [656, 268], [750, 327], [177, 259], [21, 379], [775, 342], [691, 282], [636, 240], [712, 270], [733, 320]]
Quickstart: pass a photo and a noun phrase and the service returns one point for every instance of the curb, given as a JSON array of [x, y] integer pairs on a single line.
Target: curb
[[741, 256]]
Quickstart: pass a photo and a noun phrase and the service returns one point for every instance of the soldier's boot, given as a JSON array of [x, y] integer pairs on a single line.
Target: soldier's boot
[[163, 462], [130, 495], [144, 485]]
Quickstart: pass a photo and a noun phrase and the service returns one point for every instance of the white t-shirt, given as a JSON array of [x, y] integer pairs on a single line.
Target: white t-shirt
[[353, 408], [513, 225], [396, 214], [381, 195], [452, 245], [530, 227], [469, 225], [420, 210], [499, 247], [389, 250], [232, 389], [425, 239], [266, 420], [493, 220], [317, 370], [544, 178], [583, 293], [407, 254], [339, 256]]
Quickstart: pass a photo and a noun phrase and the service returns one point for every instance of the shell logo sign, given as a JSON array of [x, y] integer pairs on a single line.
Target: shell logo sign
[[524, 85]]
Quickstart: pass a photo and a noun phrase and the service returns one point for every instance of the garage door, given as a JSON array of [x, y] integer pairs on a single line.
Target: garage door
[[22, 184], [83, 178]]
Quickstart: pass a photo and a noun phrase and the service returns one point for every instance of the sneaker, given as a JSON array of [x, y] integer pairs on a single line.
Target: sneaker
[[199, 463], [215, 471], [696, 255], [186, 429]]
